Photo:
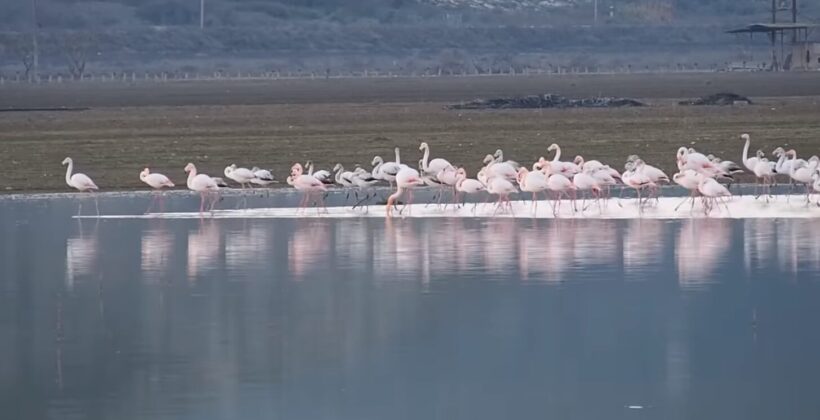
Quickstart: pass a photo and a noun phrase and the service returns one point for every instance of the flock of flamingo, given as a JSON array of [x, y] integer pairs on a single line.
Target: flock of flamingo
[[702, 175]]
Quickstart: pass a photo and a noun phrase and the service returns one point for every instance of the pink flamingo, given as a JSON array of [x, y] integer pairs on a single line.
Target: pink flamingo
[[711, 190], [406, 179], [80, 182], [532, 182], [468, 186], [690, 180], [583, 181], [203, 184], [307, 183], [156, 181]]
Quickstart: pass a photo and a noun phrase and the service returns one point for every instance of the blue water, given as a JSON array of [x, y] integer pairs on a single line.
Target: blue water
[[405, 319]]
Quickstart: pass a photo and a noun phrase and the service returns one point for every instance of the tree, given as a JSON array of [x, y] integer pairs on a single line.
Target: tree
[[23, 50], [76, 47]]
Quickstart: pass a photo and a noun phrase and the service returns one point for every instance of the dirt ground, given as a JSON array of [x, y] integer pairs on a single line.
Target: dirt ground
[[164, 126]]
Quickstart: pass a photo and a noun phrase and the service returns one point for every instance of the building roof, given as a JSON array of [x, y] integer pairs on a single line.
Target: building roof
[[772, 27]]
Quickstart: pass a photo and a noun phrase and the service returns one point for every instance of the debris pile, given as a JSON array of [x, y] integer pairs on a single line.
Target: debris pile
[[725, 98], [548, 100]]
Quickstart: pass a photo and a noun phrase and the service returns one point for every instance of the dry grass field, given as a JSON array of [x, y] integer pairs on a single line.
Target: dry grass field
[[272, 124]]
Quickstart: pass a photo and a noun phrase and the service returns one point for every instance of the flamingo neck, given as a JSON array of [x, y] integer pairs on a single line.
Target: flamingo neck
[[557, 154], [398, 157], [423, 160], [191, 176], [338, 177], [68, 171], [310, 169], [746, 150]]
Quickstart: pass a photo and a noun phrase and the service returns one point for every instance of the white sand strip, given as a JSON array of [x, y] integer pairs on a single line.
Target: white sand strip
[[746, 207]]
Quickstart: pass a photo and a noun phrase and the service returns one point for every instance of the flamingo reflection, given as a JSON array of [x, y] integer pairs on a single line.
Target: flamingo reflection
[[701, 246]]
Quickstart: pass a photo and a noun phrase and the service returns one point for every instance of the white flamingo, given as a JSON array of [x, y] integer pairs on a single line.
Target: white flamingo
[[80, 182], [568, 169], [433, 167], [748, 162], [203, 184], [262, 177], [242, 176]]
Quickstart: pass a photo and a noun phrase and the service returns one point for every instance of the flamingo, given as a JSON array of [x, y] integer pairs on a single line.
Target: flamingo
[[156, 181], [690, 180], [241, 175], [363, 180], [532, 182], [816, 185], [698, 162], [406, 179], [388, 170], [324, 176], [636, 179], [262, 177], [434, 166], [203, 184], [711, 190], [583, 181], [557, 184], [803, 173], [80, 182], [764, 170], [499, 158], [748, 162], [497, 169], [306, 183], [468, 186], [501, 187], [568, 169], [344, 178]]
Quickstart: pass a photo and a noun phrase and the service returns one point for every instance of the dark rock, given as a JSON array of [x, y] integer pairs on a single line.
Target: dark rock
[[725, 98], [548, 100]]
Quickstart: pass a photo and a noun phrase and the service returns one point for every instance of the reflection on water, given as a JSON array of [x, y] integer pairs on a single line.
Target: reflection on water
[[204, 248], [415, 318], [156, 250], [700, 248], [80, 256]]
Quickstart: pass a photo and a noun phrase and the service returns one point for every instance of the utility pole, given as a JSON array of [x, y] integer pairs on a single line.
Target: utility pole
[[35, 49], [595, 12], [201, 14], [794, 20]]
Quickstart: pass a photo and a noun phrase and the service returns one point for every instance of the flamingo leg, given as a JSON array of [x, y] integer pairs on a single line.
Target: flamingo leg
[[201, 202]]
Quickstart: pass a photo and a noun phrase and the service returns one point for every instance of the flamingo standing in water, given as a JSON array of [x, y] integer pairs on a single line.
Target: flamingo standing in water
[[433, 167], [690, 180], [583, 181], [557, 183], [764, 171], [80, 182], [500, 186], [803, 173], [748, 162], [203, 184], [406, 179], [242, 176], [567, 169], [262, 177], [467, 186], [306, 183], [156, 181], [711, 191], [532, 182]]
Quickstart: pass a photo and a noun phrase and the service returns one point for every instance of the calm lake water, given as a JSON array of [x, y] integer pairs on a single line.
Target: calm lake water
[[405, 319]]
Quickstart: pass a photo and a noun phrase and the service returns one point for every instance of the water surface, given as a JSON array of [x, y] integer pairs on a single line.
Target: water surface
[[405, 319]]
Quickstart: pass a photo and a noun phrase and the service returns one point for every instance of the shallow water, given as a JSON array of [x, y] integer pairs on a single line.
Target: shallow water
[[405, 318]]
